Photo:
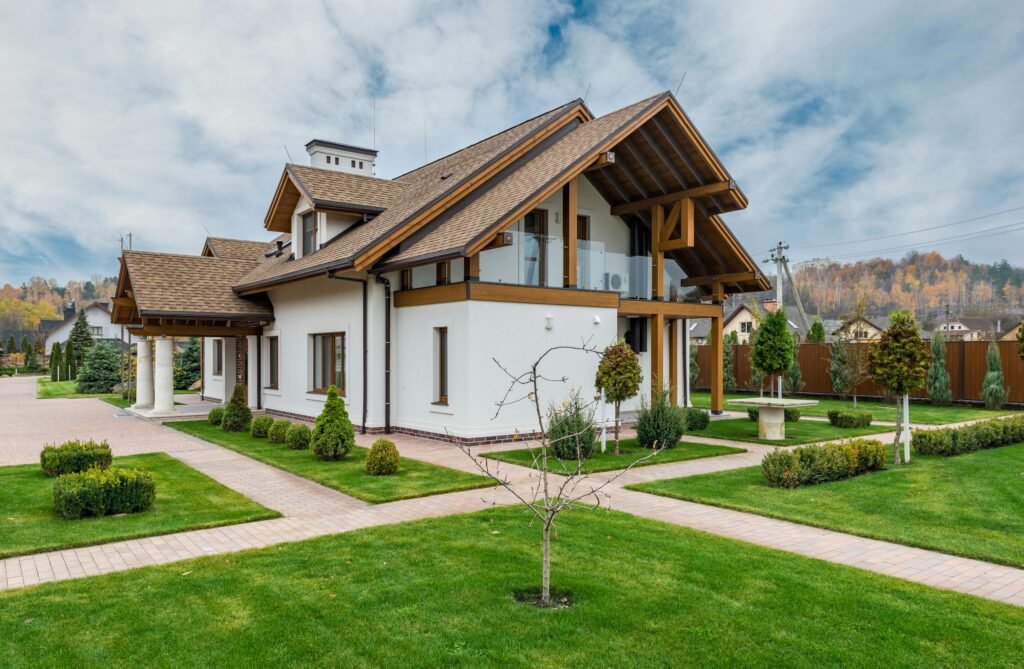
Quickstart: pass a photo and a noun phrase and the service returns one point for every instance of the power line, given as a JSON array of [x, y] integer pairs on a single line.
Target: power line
[[911, 232]]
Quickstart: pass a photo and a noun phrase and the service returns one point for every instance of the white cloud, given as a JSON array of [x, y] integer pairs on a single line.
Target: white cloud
[[839, 120]]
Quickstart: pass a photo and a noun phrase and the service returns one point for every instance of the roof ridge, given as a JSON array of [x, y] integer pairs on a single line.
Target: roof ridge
[[236, 239], [493, 135], [347, 174], [188, 255]]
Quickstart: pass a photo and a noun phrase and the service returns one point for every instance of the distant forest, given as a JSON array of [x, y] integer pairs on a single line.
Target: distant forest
[[925, 283], [23, 307]]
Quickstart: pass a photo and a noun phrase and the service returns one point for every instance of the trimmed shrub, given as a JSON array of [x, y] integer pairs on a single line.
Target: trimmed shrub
[[74, 456], [696, 419], [659, 424], [237, 415], [821, 463], [103, 492], [216, 416], [278, 432], [333, 436], [956, 441], [791, 415], [849, 418], [260, 426], [570, 427], [298, 437], [383, 458]]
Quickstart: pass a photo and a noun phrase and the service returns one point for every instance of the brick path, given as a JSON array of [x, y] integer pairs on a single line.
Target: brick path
[[312, 510]]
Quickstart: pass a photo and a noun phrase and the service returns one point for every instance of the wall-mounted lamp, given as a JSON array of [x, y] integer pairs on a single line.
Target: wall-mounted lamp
[[549, 322], [597, 319]]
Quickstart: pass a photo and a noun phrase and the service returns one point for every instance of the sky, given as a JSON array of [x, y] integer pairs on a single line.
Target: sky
[[841, 121]]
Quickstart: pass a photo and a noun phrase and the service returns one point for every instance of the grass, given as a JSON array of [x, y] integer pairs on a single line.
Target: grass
[[47, 389], [438, 593], [185, 500], [924, 414], [802, 432], [970, 505], [629, 452], [414, 478]]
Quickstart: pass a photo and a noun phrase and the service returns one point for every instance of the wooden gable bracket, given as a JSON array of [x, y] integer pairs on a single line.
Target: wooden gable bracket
[[679, 218], [603, 160]]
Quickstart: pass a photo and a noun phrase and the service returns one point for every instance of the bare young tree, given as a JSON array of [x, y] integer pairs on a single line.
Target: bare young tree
[[549, 493]]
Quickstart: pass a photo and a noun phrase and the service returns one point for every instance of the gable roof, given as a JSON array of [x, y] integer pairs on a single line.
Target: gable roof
[[236, 249]]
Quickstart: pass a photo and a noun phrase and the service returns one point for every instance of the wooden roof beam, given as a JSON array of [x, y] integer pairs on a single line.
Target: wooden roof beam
[[691, 193], [735, 277], [638, 158]]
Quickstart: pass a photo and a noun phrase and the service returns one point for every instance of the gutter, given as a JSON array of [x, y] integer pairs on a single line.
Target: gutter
[[387, 352], [365, 345]]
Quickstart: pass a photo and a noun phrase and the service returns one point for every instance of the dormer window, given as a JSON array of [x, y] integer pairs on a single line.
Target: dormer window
[[308, 233]]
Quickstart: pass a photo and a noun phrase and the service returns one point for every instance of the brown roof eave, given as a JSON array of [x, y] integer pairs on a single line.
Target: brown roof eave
[[305, 273], [263, 316], [436, 256], [346, 206]]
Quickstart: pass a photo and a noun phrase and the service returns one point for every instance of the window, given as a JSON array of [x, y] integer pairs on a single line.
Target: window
[[272, 358], [308, 233], [353, 163], [329, 362], [442, 365], [583, 228], [444, 273], [535, 233], [360, 164], [218, 357], [96, 330], [406, 279], [328, 158], [746, 327]]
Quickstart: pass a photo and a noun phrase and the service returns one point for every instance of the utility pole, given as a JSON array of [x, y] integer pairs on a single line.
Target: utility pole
[[778, 257]]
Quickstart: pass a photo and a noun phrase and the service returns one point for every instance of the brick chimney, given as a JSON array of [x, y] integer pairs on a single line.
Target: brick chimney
[[770, 305]]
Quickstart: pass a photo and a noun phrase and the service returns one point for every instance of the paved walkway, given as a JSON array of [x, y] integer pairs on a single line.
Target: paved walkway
[[311, 510]]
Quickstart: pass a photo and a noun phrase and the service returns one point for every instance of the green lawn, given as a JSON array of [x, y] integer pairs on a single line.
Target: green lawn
[[971, 505], [414, 478], [185, 500], [47, 389], [437, 593], [925, 414], [802, 432], [629, 452]]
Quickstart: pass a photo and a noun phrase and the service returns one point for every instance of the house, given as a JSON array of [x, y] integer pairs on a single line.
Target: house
[[1012, 333], [743, 321], [860, 328], [967, 329], [564, 230], [97, 313]]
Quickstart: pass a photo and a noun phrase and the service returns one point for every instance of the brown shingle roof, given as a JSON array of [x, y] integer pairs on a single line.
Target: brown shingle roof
[[523, 184], [238, 249], [328, 187], [199, 286], [424, 186]]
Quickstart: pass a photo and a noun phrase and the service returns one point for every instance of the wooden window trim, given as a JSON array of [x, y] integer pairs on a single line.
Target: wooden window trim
[[442, 366], [273, 363], [332, 364]]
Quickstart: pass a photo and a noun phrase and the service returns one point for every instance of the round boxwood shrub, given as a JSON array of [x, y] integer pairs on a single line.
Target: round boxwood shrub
[[103, 492], [659, 424], [849, 418], [791, 415], [74, 456], [216, 416], [571, 427], [237, 415], [298, 437], [382, 459], [333, 436], [260, 426], [278, 432], [696, 419]]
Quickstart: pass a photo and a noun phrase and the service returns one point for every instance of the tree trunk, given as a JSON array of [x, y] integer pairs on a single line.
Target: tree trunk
[[545, 588], [616, 428]]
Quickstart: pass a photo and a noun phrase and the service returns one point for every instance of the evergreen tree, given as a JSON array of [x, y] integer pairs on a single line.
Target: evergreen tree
[[12, 346], [618, 377], [938, 377], [56, 363], [237, 414], [773, 348], [80, 336], [186, 367], [333, 436], [70, 360], [993, 388], [101, 370], [729, 371], [694, 367], [794, 378], [816, 335], [30, 352], [899, 363], [839, 367]]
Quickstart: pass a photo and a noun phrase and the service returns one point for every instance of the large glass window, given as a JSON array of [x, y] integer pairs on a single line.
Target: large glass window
[[308, 233], [535, 251], [329, 361], [272, 362]]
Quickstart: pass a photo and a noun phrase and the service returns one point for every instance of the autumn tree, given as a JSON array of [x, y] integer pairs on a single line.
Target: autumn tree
[[618, 377], [938, 378], [773, 347], [899, 363]]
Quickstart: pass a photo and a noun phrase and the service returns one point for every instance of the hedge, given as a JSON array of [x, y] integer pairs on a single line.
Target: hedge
[[103, 492], [791, 415], [74, 456], [278, 432], [821, 463], [958, 440], [849, 418]]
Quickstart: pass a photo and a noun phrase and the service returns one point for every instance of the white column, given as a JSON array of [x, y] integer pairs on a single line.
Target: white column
[[251, 375], [144, 373], [686, 362], [163, 376]]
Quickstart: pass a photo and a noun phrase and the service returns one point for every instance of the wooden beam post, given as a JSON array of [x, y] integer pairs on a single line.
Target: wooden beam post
[[686, 221], [657, 255], [570, 201], [472, 268], [673, 360], [717, 365], [657, 328]]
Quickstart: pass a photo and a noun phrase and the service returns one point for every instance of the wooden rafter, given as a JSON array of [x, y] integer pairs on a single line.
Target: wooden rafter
[[691, 193]]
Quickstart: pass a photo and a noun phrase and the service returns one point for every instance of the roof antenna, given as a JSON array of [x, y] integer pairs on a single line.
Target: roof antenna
[[373, 104], [288, 154], [587, 93], [681, 80]]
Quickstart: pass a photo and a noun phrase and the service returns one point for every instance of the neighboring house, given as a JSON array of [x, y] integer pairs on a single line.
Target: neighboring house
[[97, 313], [861, 329], [967, 329], [743, 322], [1012, 334], [565, 230]]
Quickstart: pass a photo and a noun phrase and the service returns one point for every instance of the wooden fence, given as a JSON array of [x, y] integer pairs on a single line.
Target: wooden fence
[[966, 362]]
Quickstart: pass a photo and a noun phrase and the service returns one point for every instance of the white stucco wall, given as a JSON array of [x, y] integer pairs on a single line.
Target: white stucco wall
[[214, 384], [96, 317]]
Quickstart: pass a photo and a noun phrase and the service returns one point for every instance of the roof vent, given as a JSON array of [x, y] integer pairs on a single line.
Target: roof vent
[[446, 175], [341, 157]]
